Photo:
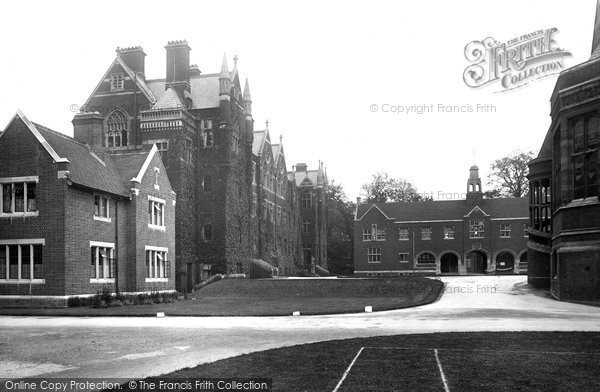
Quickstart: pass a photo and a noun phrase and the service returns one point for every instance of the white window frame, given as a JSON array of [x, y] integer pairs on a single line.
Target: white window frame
[[18, 180], [367, 235], [105, 266], [157, 267], [101, 218], [20, 243], [153, 224], [426, 233], [373, 255], [504, 232], [476, 234], [403, 234], [449, 233], [404, 254]]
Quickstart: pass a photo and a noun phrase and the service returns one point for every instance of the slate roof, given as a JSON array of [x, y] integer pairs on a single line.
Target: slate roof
[[109, 173], [312, 175], [205, 90], [260, 137], [170, 99], [449, 209]]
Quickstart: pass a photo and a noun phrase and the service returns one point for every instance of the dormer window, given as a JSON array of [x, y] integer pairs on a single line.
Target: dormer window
[[117, 82]]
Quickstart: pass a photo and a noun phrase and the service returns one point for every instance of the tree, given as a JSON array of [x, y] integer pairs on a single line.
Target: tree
[[509, 174], [383, 189], [340, 221]]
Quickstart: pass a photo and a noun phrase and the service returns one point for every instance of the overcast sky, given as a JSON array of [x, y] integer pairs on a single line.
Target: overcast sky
[[315, 68]]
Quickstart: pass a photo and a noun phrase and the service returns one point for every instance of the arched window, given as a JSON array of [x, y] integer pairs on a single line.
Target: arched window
[[426, 258], [117, 129], [578, 136]]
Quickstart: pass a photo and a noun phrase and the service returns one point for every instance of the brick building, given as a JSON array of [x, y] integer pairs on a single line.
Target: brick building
[[224, 173], [474, 235], [564, 239], [74, 220], [312, 192]]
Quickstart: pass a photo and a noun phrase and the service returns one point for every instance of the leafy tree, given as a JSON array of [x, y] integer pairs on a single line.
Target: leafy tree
[[493, 194], [383, 189], [509, 174], [340, 221]]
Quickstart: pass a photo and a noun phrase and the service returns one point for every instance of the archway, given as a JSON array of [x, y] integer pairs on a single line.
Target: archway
[[505, 263], [449, 264], [476, 262]]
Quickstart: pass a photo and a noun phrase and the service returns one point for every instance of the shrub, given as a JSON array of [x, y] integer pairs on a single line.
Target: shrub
[[106, 295], [74, 302]]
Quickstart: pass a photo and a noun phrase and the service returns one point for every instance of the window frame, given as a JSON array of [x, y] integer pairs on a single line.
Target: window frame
[[401, 234], [426, 233], [449, 233], [374, 255], [473, 232], [97, 208], [504, 230], [12, 181], [400, 257], [117, 82], [105, 267], [20, 243], [161, 269], [153, 202]]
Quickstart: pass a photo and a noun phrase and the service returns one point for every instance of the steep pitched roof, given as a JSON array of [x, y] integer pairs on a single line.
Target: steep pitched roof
[[307, 178], [139, 81], [111, 173], [449, 209], [205, 90], [260, 138], [170, 99]]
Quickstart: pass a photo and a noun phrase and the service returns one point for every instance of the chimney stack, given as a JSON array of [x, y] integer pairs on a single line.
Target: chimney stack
[[301, 167], [178, 68], [87, 129], [134, 58]]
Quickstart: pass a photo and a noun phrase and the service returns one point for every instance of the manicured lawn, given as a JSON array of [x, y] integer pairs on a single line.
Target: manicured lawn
[[276, 297], [482, 361]]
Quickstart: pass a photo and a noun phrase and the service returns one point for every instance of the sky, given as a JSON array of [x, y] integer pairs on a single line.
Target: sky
[[316, 69]]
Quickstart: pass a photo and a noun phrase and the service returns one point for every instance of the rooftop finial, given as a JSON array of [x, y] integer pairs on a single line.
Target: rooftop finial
[[280, 139], [267, 124], [235, 60]]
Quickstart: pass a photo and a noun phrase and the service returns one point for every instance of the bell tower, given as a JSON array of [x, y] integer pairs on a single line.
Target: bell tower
[[474, 191]]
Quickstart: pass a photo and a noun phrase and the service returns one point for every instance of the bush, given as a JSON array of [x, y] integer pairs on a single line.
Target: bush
[[106, 296], [261, 269]]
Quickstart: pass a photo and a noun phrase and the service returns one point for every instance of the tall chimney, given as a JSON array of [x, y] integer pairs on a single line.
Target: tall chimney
[[178, 68], [134, 58]]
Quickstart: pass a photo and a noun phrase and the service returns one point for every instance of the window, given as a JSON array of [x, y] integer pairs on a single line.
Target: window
[[403, 234], [374, 255], [209, 140], [21, 261], [505, 231], [206, 124], [584, 157], [426, 233], [117, 129], [158, 266], [306, 226], [117, 82], [525, 228], [254, 205], [162, 148], [207, 184], [306, 201], [102, 261], [206, 232], [156, 211], [367, 235], [380, 233], [476, 228], [426, 258], [101, 208], [18, 196], [403, 257], [448, 232]]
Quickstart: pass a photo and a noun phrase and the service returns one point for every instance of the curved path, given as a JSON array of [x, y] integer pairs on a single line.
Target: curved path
[[139, 347]]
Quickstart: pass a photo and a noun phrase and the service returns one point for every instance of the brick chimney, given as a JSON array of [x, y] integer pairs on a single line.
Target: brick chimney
[[87, 129], [178, 68], [134, 58], [301, 167]]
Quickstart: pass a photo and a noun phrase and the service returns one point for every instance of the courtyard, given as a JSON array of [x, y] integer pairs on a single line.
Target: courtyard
[[137, 347]]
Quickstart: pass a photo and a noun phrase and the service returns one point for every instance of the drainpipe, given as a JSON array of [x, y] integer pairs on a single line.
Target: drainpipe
[[116, 246]]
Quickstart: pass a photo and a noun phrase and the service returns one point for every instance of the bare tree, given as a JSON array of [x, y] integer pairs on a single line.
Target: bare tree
[[509, 174]]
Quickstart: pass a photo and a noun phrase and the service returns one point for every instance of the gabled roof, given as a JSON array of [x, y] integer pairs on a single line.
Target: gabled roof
[[260, 138], [307, 178], [439, 210], [140, 82], [205, 90], [170, 99], [110, 173], [475, 210]]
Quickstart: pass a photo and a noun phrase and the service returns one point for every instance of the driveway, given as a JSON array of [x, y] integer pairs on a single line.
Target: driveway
[[140, 347]]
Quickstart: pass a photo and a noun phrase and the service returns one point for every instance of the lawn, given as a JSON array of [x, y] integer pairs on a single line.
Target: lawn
[[511, 361], [276, 297]]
